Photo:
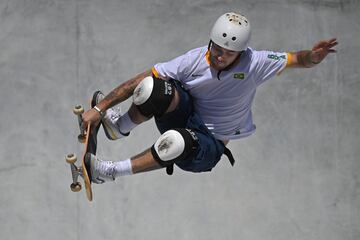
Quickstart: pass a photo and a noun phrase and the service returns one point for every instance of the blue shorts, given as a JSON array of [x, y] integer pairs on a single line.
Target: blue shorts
[[209, 151]]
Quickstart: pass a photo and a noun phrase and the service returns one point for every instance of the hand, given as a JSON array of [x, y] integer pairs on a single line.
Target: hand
[[322, 49], [91, 117]]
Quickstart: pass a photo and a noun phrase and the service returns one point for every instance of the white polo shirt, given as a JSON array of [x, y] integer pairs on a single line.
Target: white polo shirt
[[224, 105]]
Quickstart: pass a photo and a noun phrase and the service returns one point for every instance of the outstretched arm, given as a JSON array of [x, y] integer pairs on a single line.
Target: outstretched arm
[[309, 58], [116, 96]]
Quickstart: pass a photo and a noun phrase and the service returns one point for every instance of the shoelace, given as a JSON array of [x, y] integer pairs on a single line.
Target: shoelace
[[106, 168], [114, 115]]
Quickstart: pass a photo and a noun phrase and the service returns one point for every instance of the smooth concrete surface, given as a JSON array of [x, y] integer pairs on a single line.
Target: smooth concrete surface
[[297, 177]]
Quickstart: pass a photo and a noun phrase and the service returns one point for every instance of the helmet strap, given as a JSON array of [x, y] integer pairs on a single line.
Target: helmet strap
[[209, 45]]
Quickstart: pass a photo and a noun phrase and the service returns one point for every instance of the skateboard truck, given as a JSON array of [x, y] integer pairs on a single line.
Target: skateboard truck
[[75, 172], [78, 110]]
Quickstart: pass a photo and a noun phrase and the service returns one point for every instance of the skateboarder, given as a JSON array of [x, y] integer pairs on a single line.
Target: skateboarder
[[200, 101]]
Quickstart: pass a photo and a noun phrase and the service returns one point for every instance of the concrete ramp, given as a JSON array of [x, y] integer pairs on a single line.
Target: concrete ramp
[[297, 177]]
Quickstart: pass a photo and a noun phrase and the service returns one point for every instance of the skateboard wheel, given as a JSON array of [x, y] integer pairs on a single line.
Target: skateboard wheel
[[82, 138], [75, 187], [78, 110], [71, 158]]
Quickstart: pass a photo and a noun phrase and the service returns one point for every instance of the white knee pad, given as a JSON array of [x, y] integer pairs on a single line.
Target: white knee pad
[[143, 91], [174, 146], [153, 96]]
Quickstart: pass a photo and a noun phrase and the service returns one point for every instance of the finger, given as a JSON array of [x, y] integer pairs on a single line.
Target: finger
[[333, 43], [95, 123], [84, 124], [332, 40], [323, 44], [328, 42]]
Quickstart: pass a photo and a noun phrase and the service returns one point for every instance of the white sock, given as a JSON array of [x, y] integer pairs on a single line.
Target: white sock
[[125, 123], [122, 168]]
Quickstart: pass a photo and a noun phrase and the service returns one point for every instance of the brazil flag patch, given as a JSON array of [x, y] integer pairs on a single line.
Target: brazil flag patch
[[240, 75]]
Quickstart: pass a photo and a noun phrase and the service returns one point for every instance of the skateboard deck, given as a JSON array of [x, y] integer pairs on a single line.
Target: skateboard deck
[[87, 136]]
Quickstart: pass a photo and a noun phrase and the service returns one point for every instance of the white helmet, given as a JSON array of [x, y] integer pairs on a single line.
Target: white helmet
[[231, 31]]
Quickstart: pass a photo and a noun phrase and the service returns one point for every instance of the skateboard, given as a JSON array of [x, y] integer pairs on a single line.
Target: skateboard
[[88, 137]]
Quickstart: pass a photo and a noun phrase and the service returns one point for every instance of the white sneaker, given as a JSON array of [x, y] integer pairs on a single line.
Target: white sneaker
[[99, 171], [110, 119]]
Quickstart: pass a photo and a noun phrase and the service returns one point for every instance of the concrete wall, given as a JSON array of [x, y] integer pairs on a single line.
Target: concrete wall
[[296, 178]]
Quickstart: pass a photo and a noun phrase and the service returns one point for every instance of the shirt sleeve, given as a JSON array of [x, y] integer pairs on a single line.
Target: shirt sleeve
[[176, 68], [268, 64]]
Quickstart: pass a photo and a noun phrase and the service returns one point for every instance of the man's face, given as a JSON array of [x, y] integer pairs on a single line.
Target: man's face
[[220, 57]]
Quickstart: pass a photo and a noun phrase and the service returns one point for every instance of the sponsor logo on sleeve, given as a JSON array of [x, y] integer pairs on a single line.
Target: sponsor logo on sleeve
[[276, 57]]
